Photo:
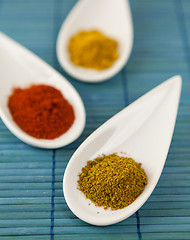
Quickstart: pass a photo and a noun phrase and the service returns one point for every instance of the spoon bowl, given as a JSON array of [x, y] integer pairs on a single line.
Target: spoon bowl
[[143, 131], [21, 68], [111, 17]]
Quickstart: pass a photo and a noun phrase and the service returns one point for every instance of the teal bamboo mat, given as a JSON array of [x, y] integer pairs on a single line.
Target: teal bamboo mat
[[32, 205]]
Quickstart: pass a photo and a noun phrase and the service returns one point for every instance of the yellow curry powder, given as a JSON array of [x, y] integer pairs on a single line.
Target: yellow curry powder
[[92, 49], [112, 181]]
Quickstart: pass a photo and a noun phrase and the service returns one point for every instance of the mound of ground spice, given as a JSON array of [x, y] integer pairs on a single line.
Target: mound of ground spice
[[41, 111], [92, 49], [112, 181]]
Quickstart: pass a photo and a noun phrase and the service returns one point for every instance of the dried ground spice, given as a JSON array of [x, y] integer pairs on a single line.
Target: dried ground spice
[[92, 49], [41, 111], [112, 181]]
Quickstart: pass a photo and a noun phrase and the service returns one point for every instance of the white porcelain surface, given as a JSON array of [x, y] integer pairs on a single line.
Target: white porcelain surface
[[113, 18], [21, 68], [144, 131]]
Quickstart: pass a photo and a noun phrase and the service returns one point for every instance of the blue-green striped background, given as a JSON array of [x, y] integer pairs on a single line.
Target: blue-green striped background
[[32, 205]]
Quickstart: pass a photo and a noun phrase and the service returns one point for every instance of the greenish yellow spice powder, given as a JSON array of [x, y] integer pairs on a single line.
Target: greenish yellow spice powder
[[112, 181], [92, 49]]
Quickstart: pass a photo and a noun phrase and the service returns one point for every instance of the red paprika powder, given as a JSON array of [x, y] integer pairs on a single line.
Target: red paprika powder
[[41, 111]]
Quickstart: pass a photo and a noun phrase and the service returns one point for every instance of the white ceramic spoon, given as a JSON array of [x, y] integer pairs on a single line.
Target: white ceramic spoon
[[21, 68], [143, 130], [113, 18]]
